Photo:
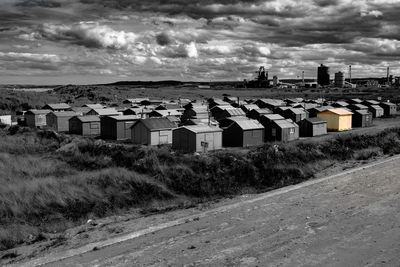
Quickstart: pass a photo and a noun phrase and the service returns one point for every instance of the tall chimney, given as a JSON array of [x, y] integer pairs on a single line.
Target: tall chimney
[[387, 75], [302, 76], [349, 73]]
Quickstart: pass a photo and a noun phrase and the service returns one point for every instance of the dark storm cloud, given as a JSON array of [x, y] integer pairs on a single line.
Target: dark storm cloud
[[163, 39], [39, 3], [325, 3], [206, 38]]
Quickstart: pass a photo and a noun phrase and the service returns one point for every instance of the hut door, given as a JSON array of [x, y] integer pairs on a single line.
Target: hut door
[[163, 139]]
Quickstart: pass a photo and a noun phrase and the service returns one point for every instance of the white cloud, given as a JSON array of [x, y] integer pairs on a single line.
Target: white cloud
[[29, 57], [191, 50], [373, 13], [90, 35]]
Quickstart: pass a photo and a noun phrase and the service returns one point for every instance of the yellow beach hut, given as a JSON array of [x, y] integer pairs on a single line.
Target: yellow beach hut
[[338, 119]]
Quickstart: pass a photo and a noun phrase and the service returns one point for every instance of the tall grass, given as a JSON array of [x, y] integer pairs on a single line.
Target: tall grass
[[51, 182]]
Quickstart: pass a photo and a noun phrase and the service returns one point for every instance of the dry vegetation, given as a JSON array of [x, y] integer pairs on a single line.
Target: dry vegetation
[[51, 182]]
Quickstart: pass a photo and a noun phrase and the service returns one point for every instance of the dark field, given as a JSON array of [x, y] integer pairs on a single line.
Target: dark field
[[114, 95]]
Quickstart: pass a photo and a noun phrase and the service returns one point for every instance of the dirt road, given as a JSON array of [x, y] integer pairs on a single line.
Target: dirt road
[[350, 219]]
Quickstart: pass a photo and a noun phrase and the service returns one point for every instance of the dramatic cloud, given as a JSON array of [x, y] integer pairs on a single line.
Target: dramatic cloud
[[206, 39], [90, 35]]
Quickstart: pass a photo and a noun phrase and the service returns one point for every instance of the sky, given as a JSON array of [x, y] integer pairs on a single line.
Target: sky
[[93, 41]]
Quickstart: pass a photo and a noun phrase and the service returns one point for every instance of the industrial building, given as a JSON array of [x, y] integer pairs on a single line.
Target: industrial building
[[323, 77], [339, 79], [85, 125], [243, 133], [337, 119], [197, 138]]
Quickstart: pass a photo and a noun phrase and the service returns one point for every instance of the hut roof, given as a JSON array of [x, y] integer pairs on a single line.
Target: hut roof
[[88, 118], [285, 124], [93, 106], [168, 112], [38, 111], [339, 111], [202, 129], [125, 117], [235, 112], [58, 106], [64, 114], [315, 120], [105, 111], [273, 117], [248, 124], [154, 124], [362, 111]]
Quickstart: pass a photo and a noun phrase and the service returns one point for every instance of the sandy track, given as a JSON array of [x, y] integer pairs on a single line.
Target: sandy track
[[351, 219]]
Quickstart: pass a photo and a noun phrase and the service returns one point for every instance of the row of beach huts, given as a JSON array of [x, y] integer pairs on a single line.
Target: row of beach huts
[[205, 125]]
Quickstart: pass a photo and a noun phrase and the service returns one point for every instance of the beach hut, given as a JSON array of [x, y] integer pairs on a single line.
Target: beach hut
[[36, 117], [197, 112], [85, 125], [340, 104], [272, 104], [165, 113], [197, 138], [295, 114], [257, 113], [266, 121], [101, 112], [59, 121], [310, 127], [5, 119], [376, 110], [284, 131], [362, 118], [370, 103], [212, 102], [353, 107], [94, 106], [337, 119], [243, 133], [389, 109], [312, 112], [152, 131], [57, 107], [117, 127], [249, 107], [229, 112]]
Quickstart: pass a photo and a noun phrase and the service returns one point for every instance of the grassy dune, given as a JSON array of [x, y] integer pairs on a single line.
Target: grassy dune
[[51, 182]]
